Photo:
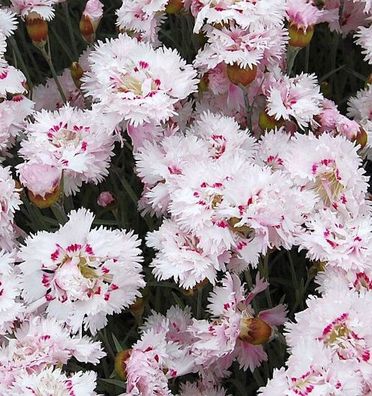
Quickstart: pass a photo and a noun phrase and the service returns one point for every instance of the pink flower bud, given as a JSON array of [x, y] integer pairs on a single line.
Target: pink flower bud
[[90, 19], [40, 179], [105, 199]]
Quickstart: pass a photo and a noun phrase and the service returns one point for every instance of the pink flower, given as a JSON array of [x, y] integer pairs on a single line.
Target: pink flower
[[40, 179]]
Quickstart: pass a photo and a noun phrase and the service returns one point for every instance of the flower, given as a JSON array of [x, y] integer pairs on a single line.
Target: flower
[[294, 97], [143, 17], [135, 82], [77, 384], [330, 168], [77, 142], [11, 308], [162, 353], [266, 13], [243, 47], [199, 389], [81, 275], [9, 203], [180, 256], [338, 240], [40, 179], [44, 8], [364, 39]]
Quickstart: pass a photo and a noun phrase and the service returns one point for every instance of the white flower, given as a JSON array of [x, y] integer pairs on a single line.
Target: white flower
[[81, 275], [364, 39], [42, 7], [179, 256], [294, 97], [9, 203], [11, 307], [137, 83], [143, 17], [52, 381], [78, 142]]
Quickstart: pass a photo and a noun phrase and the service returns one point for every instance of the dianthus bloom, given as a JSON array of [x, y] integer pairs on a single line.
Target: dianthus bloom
[[237, 331], [11, 307], [330, 348], [9, 203], [135, 82], [295, 98], [162, 353], [40, 343], [142, 17], [52, 379], [364, 39], [81, 275], [199, 389], [42, 7], [77, 142], [8, 24]]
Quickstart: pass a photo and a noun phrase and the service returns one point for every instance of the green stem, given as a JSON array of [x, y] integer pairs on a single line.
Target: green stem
[[48, 59], [70, 30], [21, 60], [291, 56], [199, 303]]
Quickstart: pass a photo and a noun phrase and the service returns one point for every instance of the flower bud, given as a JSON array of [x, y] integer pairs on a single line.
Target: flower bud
[[299, 37], [361, 137], [37, 28], [121, 363], [267, 122], [203, 84], [241, 76], [174, 6], [137, 308], [255, 331], [42, 182], [76, 73], [90, 20]]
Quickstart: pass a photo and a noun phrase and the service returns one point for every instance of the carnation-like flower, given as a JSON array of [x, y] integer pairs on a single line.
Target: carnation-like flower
[[339, 323], [53, 380], [303, 14], [330, 168], [236, 331], [11, 308], [143, 17], [338, 241], [246, 48], [40, 343], [8, 24], [79, 143], [364, 39], [162, 353], [42, 7], [180, 256], [136, 82], [245, 13], [81, 275], [199, 389], [294, 97], [9, 203]]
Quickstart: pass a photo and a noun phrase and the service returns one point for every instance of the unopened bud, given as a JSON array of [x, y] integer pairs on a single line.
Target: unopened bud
[[121, 363], [37, 29], [174, 6], [137, 308], [255, 331], [76, 73], [42, 182], [241, 76], [90, 20], [361, 137], [267, 122], [203, 84], [300, 37]]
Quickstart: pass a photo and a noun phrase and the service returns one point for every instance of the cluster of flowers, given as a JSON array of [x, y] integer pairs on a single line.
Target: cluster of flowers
[[228, 196]]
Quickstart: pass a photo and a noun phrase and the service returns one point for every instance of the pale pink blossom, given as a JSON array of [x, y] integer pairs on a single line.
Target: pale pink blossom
[[81, 275], [45, 8], [105, 198]]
